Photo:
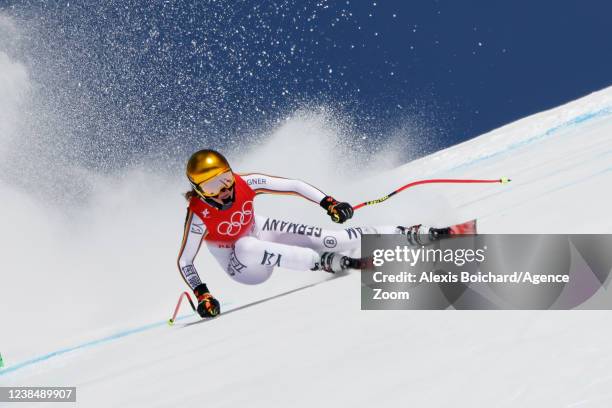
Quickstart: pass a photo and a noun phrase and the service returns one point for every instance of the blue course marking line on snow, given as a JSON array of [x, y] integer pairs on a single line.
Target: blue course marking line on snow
[[125, 333], [585, 117]]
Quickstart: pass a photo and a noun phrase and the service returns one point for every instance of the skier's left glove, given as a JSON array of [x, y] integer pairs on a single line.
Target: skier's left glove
[[208, 306], [339, 212]]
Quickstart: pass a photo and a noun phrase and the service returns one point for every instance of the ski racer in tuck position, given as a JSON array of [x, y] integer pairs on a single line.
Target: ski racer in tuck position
[[248, 247]]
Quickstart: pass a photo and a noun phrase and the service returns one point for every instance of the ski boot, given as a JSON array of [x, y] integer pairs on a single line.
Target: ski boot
[[334, 262], [421, 235]]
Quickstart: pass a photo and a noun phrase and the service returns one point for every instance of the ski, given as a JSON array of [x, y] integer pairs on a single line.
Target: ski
[[466, 228], [260, 301]]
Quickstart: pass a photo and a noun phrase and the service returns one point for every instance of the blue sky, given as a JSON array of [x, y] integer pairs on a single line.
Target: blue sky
[[166, 73]]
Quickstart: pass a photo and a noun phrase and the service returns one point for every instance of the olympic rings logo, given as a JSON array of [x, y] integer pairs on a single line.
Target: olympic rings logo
[[237, 220]]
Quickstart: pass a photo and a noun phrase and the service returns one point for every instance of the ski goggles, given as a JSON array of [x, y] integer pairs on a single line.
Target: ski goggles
[[216, 185]]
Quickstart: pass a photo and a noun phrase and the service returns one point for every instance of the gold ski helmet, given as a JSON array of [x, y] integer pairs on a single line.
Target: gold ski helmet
[[209, 173]]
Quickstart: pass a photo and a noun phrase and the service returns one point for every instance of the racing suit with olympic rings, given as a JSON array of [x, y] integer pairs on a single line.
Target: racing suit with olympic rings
[[248, 247]]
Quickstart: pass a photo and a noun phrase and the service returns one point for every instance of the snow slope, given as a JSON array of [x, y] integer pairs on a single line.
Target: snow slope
[[315, 346]]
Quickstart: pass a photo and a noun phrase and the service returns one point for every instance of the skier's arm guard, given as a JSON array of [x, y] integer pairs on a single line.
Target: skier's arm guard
[[263, 183], [194, 231]]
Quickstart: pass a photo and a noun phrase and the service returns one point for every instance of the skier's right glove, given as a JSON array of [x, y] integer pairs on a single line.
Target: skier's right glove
[[208, 306], [339, 212]]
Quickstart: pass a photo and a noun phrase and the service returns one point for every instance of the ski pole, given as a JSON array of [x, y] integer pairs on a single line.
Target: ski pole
[[178, 306], [502, 180]]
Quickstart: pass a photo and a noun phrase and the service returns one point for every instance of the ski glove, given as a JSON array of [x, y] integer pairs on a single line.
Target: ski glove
[[208, 306], [339, 212]]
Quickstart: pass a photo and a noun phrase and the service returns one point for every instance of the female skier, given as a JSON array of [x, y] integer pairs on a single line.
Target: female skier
[[248, 247]]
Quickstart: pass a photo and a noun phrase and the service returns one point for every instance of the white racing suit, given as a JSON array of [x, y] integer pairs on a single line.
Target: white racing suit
[[271, 242]]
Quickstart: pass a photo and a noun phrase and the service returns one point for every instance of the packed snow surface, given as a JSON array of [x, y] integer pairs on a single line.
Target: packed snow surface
[[314, 346]]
